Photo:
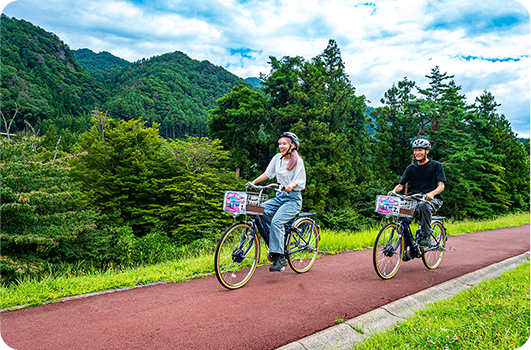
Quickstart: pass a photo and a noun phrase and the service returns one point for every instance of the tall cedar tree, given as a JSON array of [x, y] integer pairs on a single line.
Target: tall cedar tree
[[316, 101], [509, 152], [469, 164], [395, 124], [239, 121]]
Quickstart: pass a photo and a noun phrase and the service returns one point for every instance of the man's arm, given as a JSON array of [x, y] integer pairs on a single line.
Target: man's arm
[[432, 194], [398, 188]]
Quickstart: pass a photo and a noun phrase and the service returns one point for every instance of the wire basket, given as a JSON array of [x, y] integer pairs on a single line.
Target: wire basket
[[406, 208], [254, 201]]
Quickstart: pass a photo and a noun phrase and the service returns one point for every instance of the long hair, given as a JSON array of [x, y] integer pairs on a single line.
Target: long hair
[[292, 163]]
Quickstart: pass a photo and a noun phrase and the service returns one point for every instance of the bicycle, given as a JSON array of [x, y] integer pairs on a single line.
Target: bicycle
[[395, 242], [238, 251]]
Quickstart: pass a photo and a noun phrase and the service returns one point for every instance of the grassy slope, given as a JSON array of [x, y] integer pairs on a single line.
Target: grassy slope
[[492, 315]]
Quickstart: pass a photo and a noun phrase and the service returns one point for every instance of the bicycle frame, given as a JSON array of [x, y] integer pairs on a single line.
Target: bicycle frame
[[404, 224], [259, 225], [405, 232]]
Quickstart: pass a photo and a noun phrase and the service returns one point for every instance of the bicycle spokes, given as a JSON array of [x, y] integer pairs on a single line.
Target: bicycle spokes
[[388, 250], [236, 256], [434, 253], [303, 245]]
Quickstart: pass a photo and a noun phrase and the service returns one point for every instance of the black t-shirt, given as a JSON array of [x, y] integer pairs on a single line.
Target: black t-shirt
[[424, 178]]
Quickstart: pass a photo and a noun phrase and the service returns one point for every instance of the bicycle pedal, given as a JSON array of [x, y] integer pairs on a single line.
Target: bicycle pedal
[[282, 269]]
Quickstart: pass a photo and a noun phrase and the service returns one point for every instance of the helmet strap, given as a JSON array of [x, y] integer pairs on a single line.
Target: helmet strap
[[425, 157]]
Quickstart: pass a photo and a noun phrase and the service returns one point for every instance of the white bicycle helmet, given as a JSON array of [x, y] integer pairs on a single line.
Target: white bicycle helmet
[[421, 143], [291, 136]]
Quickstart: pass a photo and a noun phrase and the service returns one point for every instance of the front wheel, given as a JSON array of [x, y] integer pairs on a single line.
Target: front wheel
[[303, 245], [388, 251], [237, 256], [434, 253]]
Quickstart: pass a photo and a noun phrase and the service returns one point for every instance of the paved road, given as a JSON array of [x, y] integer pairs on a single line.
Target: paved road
[[272, 310]]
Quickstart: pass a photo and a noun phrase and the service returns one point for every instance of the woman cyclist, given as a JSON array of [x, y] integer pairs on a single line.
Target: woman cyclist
[[288, 168]]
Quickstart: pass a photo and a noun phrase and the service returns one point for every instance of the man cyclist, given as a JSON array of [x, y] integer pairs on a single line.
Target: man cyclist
[[426, 176]]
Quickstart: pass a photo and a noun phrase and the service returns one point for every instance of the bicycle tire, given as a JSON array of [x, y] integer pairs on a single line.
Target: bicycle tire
[[386, 258], [303, 245], [237, 255], [434, 253]]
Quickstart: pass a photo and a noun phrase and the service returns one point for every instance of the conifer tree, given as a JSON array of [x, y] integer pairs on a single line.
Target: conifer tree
[[507, 151], [471, 171], [396, 124], [316, 100], [240, 121]]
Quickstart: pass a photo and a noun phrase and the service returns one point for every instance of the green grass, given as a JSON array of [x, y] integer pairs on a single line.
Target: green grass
[[340, 241], [469, 226], [492, 315], [32, 291]]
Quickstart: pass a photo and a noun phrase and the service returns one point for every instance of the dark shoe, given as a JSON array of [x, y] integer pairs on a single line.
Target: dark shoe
[[424, 241], [279, 264], [406, 257]]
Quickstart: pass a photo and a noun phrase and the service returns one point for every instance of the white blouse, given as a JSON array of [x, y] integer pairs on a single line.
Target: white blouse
[[277, 168]]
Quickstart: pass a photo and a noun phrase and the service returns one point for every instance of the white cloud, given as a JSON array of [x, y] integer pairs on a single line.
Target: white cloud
[[381, 41]]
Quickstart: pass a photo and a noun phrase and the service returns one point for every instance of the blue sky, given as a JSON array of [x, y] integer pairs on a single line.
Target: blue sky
[[484, 43]]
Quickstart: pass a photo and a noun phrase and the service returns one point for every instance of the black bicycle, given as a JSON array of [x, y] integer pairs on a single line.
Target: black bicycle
[[395, 242], [238, 251]]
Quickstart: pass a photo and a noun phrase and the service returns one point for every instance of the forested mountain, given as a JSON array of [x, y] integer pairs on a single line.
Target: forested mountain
[[172, 90], [42, 80], [100, 64], [44, 83], [254, 81]]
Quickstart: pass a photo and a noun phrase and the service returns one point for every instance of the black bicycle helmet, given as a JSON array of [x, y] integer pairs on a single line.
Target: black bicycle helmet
[[291, 136], [421, 143]]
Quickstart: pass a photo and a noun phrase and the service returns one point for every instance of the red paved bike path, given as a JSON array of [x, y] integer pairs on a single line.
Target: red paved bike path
[[272, 310]]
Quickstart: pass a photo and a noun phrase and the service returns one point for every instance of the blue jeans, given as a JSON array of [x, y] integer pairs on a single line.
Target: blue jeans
[[278, 212]]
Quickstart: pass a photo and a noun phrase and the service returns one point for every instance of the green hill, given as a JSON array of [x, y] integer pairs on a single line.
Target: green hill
[[254, 81], [100, 64], [44, 82], [172, 90]]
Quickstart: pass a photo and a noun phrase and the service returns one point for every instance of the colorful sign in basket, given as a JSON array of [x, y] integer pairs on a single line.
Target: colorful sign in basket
[[235, 202], [387, 205]]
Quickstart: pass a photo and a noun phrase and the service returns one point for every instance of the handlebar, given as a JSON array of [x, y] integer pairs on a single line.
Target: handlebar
[[274, 186], [417, 196]]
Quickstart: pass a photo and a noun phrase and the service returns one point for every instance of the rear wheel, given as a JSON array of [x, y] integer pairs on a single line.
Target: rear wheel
[[237, 256], [434, 253], [388, 251], [303, 245]]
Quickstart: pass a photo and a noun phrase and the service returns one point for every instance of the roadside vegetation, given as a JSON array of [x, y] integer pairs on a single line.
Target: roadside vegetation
[[492, 315], [191, 261]]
